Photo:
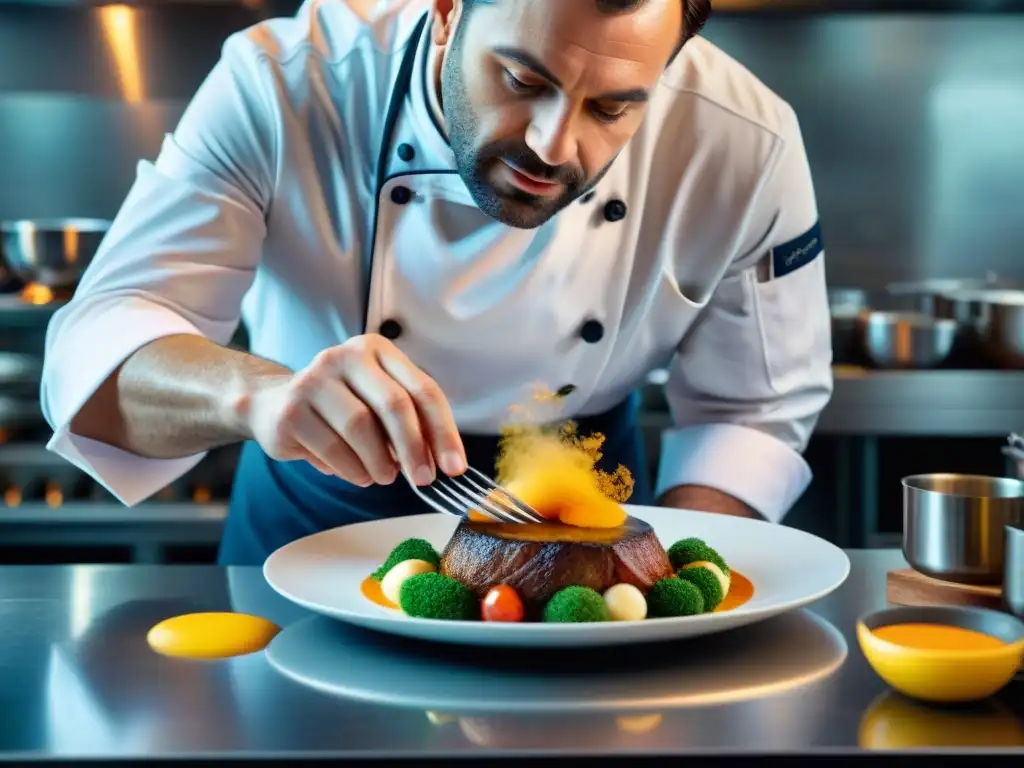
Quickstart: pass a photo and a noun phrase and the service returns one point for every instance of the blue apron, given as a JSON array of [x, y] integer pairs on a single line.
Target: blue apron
[[273, 502]]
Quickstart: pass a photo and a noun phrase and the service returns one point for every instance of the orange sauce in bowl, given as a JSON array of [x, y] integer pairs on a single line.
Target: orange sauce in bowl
[[740, 592], [937, 637]]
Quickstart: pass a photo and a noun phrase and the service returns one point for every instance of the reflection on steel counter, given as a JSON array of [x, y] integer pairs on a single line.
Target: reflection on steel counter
[[93, 689]]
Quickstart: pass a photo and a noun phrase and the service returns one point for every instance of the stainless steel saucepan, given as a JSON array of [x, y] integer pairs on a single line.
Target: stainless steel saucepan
[[51, 252], [921, 296], [1003, 335], [846, 305], [954, 526]]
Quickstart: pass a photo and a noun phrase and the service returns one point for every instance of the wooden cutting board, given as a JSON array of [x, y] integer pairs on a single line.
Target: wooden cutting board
[[908, 587]]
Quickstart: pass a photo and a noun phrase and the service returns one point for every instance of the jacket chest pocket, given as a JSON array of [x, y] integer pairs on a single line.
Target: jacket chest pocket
[[795, 325]]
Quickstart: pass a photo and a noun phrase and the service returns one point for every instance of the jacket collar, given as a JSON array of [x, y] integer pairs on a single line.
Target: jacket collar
[[425, 109]]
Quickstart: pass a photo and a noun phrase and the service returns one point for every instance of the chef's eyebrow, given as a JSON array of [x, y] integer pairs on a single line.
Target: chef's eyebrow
[[530, 62], [633, 94]]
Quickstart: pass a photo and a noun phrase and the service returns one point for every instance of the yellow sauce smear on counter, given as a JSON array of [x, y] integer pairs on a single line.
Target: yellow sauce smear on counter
[[937, 637], [740, 591], [213, 635]]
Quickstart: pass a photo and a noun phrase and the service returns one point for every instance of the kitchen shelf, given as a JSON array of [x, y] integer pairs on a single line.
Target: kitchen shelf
[[114, 513], [148, 531], [924, 403], [934, 403]]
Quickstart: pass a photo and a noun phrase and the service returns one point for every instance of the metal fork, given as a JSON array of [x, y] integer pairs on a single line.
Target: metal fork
[[475, 491]]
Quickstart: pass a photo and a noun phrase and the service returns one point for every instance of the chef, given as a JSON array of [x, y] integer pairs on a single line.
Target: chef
[[424, 218]]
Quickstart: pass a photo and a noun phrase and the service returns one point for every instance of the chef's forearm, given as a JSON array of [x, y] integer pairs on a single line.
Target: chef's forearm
[[705, 499], [174, 397]]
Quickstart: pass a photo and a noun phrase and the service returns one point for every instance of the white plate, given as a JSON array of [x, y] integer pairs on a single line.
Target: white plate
[[789, 569]]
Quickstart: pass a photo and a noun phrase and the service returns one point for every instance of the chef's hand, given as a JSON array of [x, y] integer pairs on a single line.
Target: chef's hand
[[353, 411]]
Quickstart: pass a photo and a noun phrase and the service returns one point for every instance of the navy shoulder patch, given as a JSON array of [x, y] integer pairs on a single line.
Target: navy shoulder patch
[[798, 252]]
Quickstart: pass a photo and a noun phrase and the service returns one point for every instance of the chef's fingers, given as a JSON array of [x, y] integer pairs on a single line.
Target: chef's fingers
[[435, 413], [351, 419], [318, 465], [397, 412], [328, 451]]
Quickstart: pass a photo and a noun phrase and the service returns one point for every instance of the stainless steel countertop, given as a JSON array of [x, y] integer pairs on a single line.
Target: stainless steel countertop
[[77, 679]]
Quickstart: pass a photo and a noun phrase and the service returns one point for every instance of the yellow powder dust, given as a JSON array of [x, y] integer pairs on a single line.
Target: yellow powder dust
[[553, 469]]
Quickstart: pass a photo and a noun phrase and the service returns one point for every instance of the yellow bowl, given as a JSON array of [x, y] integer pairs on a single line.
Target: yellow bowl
[[944, 675]]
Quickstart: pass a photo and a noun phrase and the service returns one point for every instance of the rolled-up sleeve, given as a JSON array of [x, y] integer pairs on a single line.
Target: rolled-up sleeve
[[178, 259], [751, 378]]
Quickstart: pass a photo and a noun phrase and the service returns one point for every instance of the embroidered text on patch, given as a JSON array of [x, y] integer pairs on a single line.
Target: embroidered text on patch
[[798, 252]]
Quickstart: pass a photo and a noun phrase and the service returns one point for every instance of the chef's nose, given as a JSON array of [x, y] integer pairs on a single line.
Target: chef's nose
[[551, 134]]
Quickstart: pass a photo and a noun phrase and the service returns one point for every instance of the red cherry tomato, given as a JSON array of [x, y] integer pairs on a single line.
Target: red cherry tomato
[[502, 604]]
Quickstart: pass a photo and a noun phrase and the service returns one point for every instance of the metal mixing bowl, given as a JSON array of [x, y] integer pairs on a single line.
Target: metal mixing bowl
[[52, 252], [954, 525], [906, 339]]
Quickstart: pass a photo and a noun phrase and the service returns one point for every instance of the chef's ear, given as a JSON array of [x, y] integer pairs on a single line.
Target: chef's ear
[[443, 18]]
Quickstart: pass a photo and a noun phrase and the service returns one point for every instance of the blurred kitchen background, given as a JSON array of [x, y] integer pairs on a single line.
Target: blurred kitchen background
[[913, 115]]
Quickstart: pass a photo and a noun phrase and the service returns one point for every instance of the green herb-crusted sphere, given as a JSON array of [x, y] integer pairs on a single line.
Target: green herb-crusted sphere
[[410, 549], [574, 605], [674, 597], [436, 596], [708, 584], [686, 551]]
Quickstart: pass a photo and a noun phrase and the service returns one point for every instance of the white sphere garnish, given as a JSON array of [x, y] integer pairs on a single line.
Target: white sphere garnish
[[717, 572], [392, 582], [625, 603]]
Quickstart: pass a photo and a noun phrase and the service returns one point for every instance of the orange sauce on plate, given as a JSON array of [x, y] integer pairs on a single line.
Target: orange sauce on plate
[[371, 591], [937, 637], [740, 591]]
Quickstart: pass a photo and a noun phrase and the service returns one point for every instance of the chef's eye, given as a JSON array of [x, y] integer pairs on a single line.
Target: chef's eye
[[518, 85], [609, 115]]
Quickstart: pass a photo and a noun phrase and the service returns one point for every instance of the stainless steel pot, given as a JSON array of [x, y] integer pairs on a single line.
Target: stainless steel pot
[[921, 296], [1003, 334], [969, 310], [1013, 570], [954, 525], [845, 306], [906, 339], [53, 252]]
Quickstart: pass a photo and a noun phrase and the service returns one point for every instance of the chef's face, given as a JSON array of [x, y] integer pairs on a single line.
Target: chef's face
[[539, 96]]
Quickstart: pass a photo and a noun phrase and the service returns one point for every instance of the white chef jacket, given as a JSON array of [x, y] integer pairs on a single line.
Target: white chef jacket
[[263, 206]]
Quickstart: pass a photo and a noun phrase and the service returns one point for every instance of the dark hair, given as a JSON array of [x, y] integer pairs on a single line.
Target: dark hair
[[695, 13]]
